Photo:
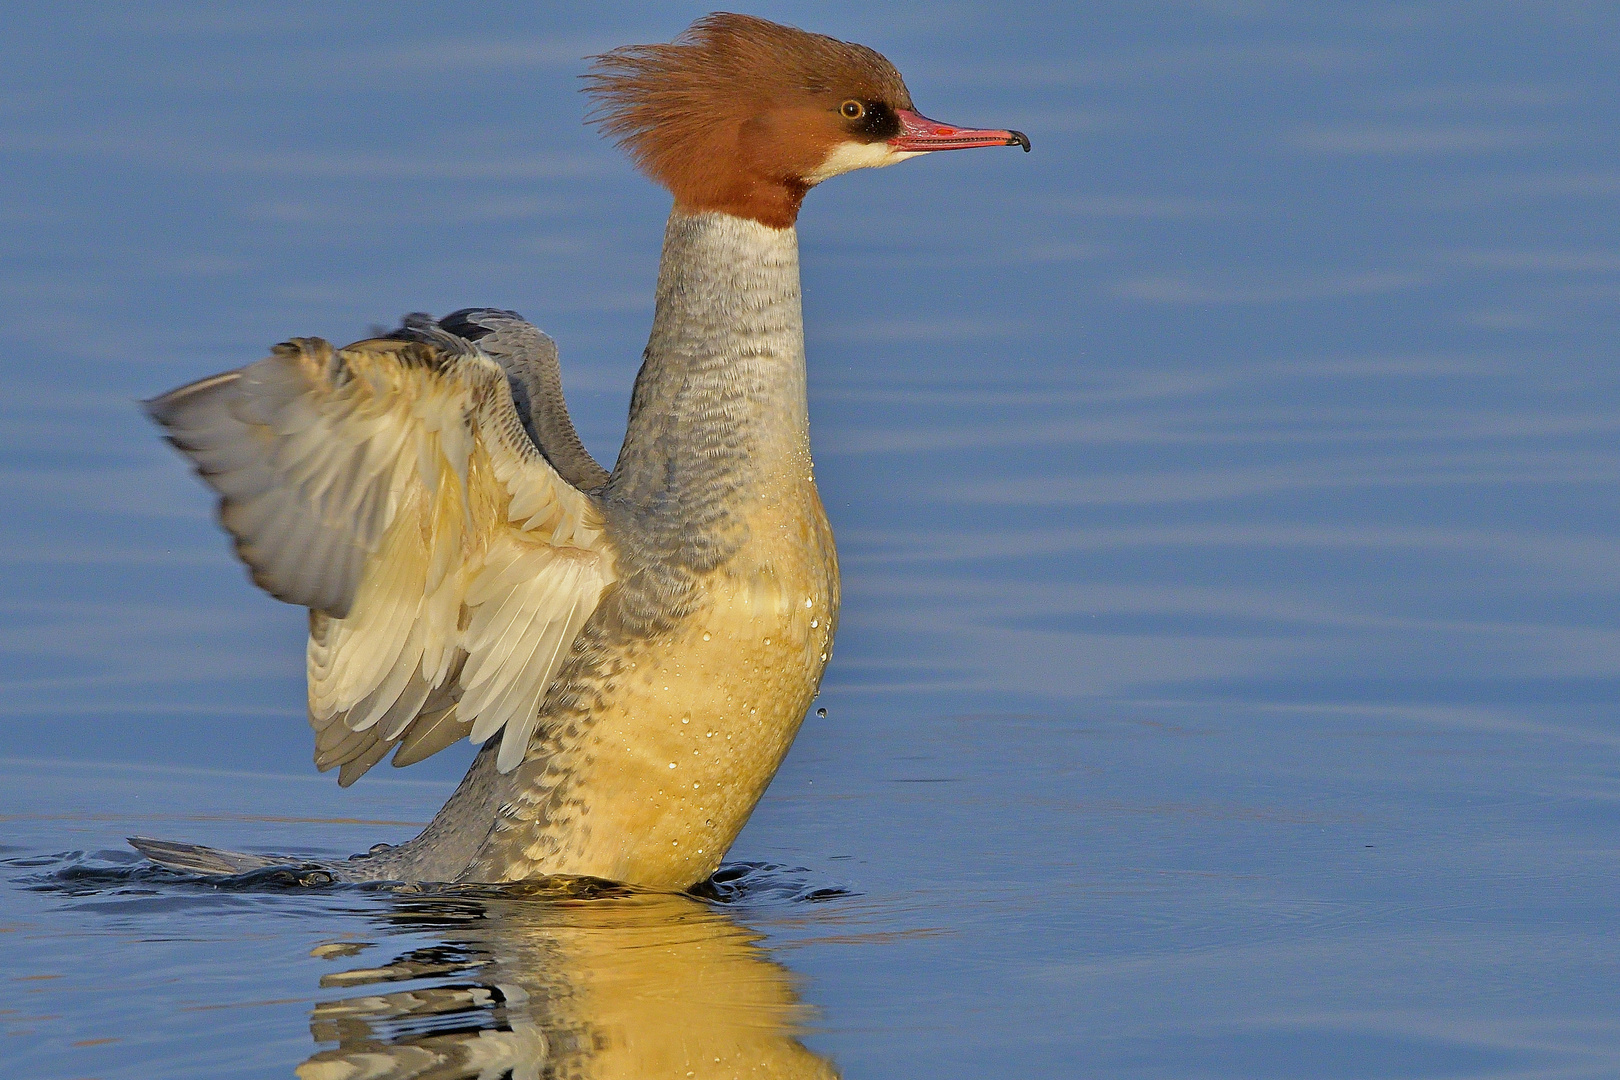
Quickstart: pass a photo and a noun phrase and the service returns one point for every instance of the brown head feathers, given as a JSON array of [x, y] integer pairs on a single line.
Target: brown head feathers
[[742, 115]]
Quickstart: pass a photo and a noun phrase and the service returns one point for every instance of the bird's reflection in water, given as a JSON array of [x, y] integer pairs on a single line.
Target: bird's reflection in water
[[617, 984]]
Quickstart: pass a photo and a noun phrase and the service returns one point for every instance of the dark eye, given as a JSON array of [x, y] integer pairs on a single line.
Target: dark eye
[[852, 109]]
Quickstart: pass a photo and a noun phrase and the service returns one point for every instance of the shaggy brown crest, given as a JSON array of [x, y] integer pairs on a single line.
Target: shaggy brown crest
[[738, 113]]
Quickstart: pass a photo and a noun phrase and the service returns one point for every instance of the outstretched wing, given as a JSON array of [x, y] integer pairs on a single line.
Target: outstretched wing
[[392, 489], [529, 358]]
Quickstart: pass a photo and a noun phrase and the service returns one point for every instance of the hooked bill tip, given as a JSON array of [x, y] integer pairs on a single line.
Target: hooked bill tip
[[1018, 138]]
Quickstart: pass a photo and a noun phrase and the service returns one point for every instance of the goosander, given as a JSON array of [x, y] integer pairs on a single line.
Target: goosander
[[634, 650]]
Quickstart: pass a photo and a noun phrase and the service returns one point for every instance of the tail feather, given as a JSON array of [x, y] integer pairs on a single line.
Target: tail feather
[[196, 859]]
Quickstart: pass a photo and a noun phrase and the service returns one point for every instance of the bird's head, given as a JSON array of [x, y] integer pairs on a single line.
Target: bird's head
[[743, 116]]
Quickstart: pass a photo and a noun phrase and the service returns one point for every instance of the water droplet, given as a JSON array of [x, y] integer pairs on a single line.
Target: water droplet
[[705, 635], [767, 641], [809, 602], [686, 719], [694, 787], [672, 764], [824, 656], [814, 623], [709, 822], [821, 712], [708, 734]]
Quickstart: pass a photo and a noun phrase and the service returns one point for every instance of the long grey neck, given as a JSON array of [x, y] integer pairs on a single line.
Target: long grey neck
[[719, 414]]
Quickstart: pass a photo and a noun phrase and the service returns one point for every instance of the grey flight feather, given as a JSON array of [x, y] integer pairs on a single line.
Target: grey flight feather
[[529, 359], [198, 859]]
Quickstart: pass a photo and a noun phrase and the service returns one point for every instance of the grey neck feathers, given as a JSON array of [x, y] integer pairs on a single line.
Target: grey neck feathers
[[719, 419]]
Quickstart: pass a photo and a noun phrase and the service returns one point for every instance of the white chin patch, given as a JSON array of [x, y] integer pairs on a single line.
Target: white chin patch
[[849, 156]]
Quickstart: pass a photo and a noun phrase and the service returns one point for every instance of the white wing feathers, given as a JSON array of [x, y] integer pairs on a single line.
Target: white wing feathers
[[391, 488]]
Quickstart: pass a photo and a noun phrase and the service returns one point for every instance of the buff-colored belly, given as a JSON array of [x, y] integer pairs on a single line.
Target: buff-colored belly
[[699, 719]]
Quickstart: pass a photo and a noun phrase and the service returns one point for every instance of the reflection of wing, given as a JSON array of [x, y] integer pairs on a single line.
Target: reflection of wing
[[392, 489]]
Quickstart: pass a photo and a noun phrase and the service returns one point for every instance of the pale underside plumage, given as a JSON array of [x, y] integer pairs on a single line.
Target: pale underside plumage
[[391, 488]]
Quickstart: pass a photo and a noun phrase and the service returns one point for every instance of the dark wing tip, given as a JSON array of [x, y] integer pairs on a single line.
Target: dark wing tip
[[474, 322], [469, 324]]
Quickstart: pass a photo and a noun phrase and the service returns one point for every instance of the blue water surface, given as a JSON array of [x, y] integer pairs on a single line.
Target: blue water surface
[[1226, 494]]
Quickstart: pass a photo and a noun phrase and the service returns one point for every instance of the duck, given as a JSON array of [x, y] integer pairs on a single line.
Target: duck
[[633, 650]]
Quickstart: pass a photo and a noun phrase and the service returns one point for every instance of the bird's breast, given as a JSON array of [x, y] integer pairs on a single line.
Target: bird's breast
[[682, 744]]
